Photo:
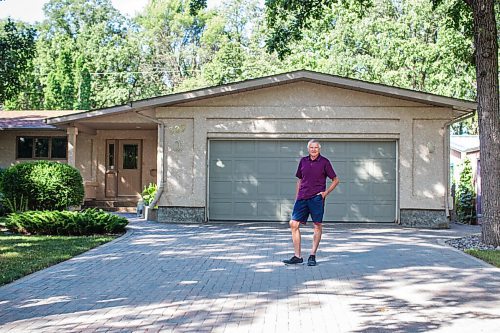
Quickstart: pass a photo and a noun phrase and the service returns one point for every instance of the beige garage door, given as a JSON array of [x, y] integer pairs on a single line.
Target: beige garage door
[[254, 180]]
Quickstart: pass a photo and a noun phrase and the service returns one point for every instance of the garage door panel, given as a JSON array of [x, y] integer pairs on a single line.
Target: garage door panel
[[292, 148], [269, 148], [224, 188], [384, 150], [383, 211], [286, 209], [359, 150], [386, 168], [245, 208], [336, 212], [244, 189], [340, 168], [222, 147], [288, 167], [359, 189], [268, 167], [269, 188], [337, 149], [246, 167], [288, 188], [243, 148], [219, 167], [255, 180], [383, 190], [342, 190], [269, 209], [363, 170], [222, 209]]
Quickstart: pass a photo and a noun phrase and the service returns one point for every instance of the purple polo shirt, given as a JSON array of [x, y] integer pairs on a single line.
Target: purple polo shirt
[[312, 174]]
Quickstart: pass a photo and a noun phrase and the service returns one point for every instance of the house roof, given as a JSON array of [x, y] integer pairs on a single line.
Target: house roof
[[274, 80], [464, 143], [30, 120]]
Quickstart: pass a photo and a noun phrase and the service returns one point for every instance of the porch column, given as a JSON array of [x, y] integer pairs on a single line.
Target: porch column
[[72, 133]]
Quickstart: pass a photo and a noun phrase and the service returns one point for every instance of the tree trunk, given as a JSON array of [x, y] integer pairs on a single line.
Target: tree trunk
[[486, 44]]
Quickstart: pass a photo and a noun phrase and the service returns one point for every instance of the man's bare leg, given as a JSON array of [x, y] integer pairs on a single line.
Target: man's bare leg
[[295, 228], [318, 231]]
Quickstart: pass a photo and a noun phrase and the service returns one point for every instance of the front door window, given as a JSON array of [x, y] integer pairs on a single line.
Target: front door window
[[130, 154]]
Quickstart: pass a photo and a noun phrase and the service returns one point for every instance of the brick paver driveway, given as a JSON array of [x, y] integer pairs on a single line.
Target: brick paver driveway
[[229, 278]]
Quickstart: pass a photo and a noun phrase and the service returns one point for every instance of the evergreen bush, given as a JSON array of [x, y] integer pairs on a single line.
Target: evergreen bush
[[67, 223], [3, 209], [465, 198], [42, 185]]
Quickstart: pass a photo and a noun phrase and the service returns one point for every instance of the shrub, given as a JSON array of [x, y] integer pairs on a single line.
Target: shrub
[[148, 194], [86, 222], [3, 209], [43, 185], [466, 210]]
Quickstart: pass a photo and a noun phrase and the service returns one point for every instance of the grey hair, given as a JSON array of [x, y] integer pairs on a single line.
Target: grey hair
[[313, 141]]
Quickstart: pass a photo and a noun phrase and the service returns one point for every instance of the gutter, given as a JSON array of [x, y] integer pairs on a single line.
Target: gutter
[[159, 158], [446, 159]]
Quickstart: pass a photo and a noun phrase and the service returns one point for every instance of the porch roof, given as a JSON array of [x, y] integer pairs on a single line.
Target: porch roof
[[31, 120]]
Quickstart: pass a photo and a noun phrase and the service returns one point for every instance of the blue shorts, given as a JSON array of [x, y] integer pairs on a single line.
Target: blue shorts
[[314, 206]]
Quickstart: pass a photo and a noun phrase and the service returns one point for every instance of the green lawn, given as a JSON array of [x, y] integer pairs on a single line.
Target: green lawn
[[22, 255], [490, 256]]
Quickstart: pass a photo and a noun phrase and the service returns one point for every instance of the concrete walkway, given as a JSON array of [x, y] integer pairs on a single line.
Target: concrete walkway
[[229, 278]]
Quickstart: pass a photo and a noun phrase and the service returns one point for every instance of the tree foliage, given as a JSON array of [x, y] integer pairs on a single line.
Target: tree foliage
[[17, 49], [465, 198]]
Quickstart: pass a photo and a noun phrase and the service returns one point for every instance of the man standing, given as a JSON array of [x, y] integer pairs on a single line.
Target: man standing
[[310, 199]]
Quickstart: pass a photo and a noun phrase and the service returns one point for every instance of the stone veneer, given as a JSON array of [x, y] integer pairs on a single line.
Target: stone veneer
[[181, 214], [424, 218]]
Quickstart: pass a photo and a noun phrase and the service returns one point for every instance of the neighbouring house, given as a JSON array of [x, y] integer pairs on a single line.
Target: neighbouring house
[[230, 152], [461, 148]]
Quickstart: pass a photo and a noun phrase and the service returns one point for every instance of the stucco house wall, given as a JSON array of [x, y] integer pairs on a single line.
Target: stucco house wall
[[8, 145], [305, 110]]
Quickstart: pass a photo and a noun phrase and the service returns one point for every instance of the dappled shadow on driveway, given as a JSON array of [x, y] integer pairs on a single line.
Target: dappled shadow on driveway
[[201, 278]]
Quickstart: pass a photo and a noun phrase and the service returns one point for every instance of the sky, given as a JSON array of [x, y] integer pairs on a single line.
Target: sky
[[31, 10]]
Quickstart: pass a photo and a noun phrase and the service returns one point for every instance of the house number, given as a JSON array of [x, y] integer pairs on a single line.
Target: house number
[[177, 145], [177, 129]]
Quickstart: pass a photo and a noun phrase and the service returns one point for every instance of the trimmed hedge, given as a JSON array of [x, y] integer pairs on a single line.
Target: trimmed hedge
[[3, 209], [42, 185], [66, 223]]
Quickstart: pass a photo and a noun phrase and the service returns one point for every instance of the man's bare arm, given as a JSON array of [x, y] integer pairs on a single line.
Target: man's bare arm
[[297, 187], [333, 185]]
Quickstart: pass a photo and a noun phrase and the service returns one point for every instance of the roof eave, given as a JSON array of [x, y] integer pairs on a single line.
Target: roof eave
[[274, 80]]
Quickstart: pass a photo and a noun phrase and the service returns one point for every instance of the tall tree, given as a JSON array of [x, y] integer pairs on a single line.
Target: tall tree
[[83, 86], [17, 49], [237, 20], [170, 40], [95, 32], [288, 19]]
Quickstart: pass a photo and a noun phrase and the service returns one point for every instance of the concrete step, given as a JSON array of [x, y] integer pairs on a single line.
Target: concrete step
[[112, 205]]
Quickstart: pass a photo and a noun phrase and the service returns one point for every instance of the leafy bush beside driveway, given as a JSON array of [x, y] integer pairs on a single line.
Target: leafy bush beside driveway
[[41, 185], [86, 222]]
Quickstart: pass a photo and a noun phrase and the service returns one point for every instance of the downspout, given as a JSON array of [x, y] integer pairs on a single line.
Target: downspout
[[159, 158], [446, 159]]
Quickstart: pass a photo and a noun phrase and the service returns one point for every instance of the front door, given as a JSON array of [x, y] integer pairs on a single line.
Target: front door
[[123, 169]]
